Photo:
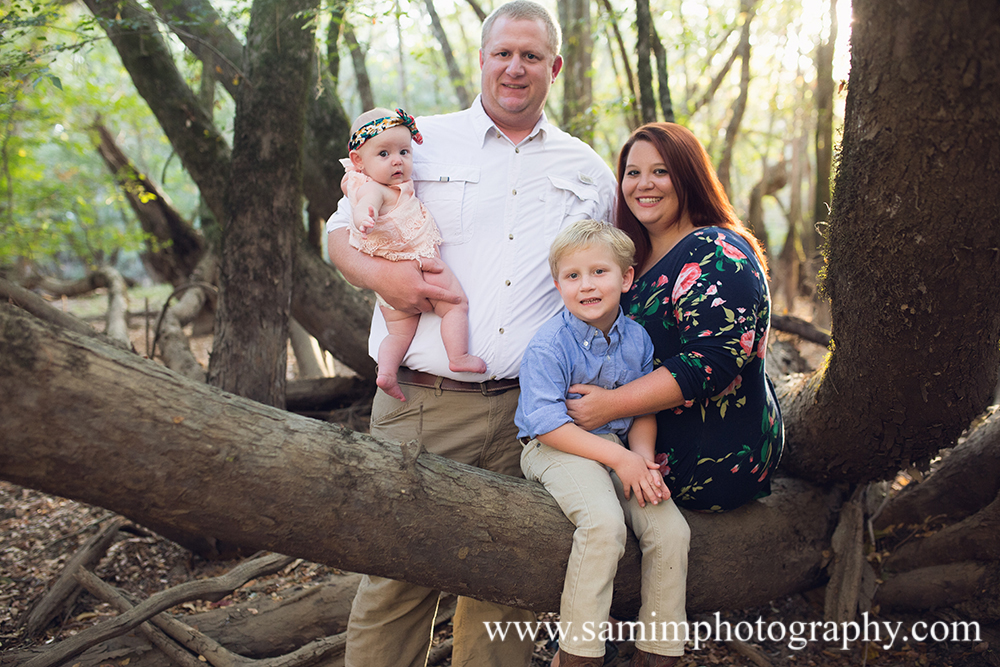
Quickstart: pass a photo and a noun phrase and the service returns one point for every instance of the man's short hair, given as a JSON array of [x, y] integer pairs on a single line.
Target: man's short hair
[[526, 10], [587, 233]]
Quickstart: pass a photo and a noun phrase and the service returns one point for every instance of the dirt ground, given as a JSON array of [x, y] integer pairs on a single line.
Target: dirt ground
[[39, 533]]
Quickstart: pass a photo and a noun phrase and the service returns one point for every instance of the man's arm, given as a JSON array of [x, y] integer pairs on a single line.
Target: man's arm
[[401, 284]]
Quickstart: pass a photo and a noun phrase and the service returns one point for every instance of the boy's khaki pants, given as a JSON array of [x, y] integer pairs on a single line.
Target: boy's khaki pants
[[391, 621], [592, 497]]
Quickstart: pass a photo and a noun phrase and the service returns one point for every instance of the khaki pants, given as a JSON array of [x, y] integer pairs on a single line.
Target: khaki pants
[[593, 498], [391, 621]]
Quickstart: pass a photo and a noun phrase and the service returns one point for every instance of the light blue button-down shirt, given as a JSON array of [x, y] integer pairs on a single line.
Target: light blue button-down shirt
[[568, 351]]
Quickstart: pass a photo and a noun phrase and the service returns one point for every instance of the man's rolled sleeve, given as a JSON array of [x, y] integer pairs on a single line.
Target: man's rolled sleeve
[[341, 218], [544, 383]]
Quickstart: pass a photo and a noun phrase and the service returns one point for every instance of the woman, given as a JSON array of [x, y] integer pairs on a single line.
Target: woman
[[702, 296]]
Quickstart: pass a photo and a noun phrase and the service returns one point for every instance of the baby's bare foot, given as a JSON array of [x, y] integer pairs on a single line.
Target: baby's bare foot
[[387, 383], [467, 364]]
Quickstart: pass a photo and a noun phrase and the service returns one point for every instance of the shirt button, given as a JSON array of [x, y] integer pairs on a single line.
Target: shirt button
[[513, 192], [517, 150], [586, 343], [507, 283], [501, 329], [510, 237]]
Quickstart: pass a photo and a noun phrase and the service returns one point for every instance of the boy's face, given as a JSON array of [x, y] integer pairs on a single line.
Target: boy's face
[[591, 284], [387, 158]]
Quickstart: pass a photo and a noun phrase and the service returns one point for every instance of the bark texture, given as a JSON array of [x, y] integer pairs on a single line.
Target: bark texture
[[86, 421], [578, 46], [915, 227], [951, 492], [249, 355]]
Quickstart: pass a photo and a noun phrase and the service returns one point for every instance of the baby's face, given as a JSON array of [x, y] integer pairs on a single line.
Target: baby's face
[[388, 157]]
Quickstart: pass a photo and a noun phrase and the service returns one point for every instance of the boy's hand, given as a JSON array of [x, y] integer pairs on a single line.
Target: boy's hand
[[641, 477]]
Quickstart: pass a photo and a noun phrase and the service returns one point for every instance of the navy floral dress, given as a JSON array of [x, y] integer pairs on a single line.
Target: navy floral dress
[[707, 308]]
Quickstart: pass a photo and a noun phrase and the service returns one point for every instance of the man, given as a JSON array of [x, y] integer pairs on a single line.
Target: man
[[500, 182]]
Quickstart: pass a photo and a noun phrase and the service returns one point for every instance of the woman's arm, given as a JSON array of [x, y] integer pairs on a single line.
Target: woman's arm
[[649, 394]]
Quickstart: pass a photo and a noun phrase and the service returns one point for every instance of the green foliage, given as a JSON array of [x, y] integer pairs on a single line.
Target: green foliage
[[61, 210]]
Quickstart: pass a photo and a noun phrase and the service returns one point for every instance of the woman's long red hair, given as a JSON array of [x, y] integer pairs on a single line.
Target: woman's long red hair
[[698, 189]]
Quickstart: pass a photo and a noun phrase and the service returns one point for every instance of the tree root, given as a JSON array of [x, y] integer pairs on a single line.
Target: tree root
[[951, 490], [65, 588], [204, 589]]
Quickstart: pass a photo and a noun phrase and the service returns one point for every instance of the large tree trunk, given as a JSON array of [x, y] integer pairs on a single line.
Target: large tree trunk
[[323, 302], [915, 230], [574, 18], [249, 354], [86, 421]]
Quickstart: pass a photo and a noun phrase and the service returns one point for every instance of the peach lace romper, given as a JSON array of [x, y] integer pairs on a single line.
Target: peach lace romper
[[408, 231]]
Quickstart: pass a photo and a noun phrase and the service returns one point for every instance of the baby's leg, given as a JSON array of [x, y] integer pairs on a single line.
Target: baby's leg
[[401, 327], [455, 325]]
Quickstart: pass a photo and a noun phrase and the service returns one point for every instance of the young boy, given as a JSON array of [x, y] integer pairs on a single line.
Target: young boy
[[601, 485]]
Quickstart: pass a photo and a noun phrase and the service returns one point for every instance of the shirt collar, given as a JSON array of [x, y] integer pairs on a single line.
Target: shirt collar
[[484, 125], [583, 333]]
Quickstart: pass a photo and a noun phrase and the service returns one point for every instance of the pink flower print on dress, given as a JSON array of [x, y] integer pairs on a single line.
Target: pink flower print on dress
[[733, 386], [689, 275], [661, 281], [762, 345], [728, 249], [746, 342], [718, 301]]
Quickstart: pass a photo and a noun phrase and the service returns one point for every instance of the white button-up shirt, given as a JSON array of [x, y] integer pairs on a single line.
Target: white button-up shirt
[[498, 207]]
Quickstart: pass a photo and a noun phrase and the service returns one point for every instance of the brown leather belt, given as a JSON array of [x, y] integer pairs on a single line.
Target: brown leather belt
[[419, 379]]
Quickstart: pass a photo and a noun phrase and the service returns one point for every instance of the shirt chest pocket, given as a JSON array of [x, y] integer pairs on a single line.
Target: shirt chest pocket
[[567, 201], [449, 192]]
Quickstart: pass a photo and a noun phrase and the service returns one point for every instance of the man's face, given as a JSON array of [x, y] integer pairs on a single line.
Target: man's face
[[518, 70]]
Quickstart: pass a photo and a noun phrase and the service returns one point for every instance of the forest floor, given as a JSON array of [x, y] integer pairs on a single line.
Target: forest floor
[[39, 533]]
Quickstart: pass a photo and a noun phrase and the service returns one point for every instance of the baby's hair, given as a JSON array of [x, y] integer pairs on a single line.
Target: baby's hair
[[369, 116], [587, 233]]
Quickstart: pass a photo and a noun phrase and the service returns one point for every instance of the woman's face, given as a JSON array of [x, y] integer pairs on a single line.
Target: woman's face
[[647, 188]]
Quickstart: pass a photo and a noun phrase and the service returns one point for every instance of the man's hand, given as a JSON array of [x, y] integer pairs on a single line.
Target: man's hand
[[405, 289], [401, 284]]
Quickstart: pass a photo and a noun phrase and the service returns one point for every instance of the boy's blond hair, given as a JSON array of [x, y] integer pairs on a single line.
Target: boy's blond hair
[[587, 233]]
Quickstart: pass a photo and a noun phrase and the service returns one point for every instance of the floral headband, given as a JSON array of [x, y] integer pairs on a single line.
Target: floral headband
[[380, 125]]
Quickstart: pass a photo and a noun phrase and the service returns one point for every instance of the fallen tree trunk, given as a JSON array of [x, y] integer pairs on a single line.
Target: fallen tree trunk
[[86, 421]]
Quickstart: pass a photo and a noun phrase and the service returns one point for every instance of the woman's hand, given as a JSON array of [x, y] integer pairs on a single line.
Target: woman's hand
[[593, 409]]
